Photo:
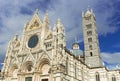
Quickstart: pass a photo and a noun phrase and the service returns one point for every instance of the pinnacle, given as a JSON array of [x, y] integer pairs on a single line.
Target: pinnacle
[[36, 12], [58, 21], [76, 39], [46, 12], [88, 7], [46, 17], [16, 36]]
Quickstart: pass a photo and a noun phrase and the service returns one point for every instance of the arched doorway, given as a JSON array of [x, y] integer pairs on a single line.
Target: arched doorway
[[13, 72], [44, 68], [28, 70]]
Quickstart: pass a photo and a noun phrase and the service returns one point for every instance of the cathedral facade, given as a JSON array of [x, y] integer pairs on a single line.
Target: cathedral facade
[[41, 54]]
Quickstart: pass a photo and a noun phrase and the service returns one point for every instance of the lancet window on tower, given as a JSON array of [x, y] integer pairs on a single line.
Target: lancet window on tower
[[88, 18], [90, 47], [91, 54], [89, 26], [89, 33], [90, 39], [97, 76]]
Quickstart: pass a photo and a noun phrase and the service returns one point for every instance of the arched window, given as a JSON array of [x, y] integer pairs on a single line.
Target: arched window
[[91, 54], [90, 47], [89, 33], [113, 78], [29, 67], [97, 76], [14, 70], [89, 26], [89, 39], [45, 69], [67, 65]]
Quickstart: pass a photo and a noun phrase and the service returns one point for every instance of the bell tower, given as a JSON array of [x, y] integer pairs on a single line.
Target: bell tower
[[91, 43]]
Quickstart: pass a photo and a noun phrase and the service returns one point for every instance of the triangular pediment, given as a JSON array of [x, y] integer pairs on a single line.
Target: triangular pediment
[[14, 61], [29, 57], [35, 23], [44, 55]]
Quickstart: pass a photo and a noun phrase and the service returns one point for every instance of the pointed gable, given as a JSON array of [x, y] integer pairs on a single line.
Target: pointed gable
[[35, 22]]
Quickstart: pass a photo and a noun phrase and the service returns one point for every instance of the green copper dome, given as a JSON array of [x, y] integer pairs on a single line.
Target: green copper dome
[[77, 52]]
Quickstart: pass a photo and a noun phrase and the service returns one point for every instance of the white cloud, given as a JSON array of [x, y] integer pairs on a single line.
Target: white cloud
[[12, 22], [113, 59]]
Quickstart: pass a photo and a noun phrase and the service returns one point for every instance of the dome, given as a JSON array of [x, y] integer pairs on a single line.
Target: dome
[[77, 52], [76, 49], [76, 45]]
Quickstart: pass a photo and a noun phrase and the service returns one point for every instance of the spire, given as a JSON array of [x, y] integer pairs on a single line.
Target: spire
[[59, 26], [46, 21], [82, 13], [60, 31], [26, 25], [46, 18], [47, 13], [15, 37], [91, 10], [76, 44], [54, 28], [36, 11], [88, 8], [58, 20], [59, 23], [36, 14], [88, 12], [76, 39]]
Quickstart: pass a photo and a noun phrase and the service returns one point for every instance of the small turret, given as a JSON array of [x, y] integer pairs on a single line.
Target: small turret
[[46, 17], [15, 37], [55, 30], [46, 21], [26, 26], [36, 12], [88, 13], [60, 32], [61, 27]]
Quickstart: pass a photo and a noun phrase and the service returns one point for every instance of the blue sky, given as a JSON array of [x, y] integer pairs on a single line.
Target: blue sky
[[14, 14]]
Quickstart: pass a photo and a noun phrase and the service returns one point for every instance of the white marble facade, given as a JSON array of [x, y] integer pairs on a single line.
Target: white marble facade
[[41, 54]]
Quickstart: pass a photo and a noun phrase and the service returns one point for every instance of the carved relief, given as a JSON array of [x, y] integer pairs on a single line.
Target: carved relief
[[34, 25]]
